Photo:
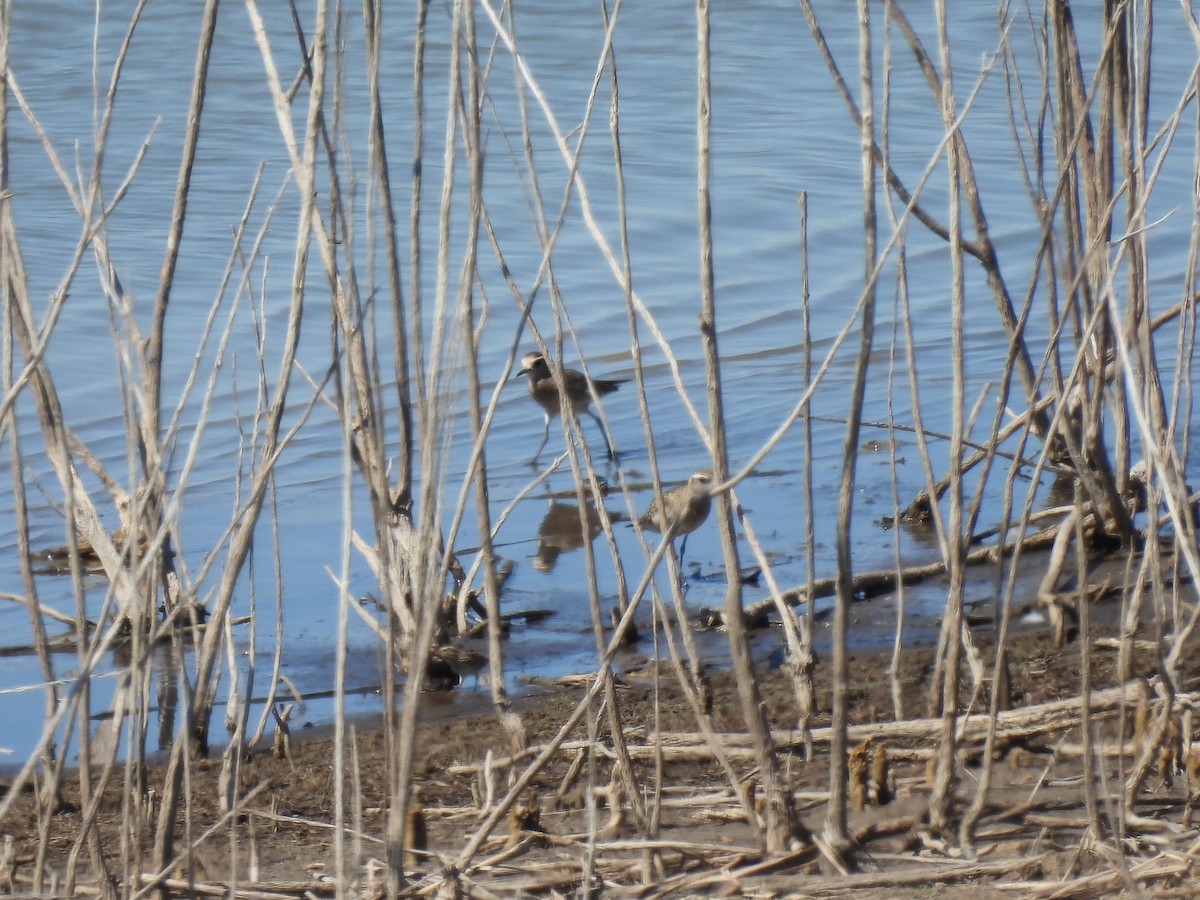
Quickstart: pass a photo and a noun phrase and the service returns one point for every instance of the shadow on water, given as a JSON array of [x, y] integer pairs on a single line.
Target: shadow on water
[[566, 527]]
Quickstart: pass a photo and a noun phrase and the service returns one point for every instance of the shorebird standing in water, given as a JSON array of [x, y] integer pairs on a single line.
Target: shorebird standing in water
[[450, 664], [688, 504], [544, 390]]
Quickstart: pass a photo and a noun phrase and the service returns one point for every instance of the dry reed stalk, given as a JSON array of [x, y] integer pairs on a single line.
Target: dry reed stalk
[[587, 488], [981, 248], [836, 832], [398, 612], [275, 678], [199, 705], [894, 240], [880, 581], [1000, 695], [380, 173], [10, 275], [1096, 827], [1024, 313], [806, 659], [470, 111], [1086, 222], [148, 515], [364, 375], [953, 538], [781, 824], [1058, 717], [901, 290], [894, 182], [91, 208], [49, 797], [522, 781], [586, 210], [648, 813], [692, 679], [1014, 323], [426, 567], [153, 881], [339, 673], [19, 322], [644, 821], [642, 312], [239, 694]]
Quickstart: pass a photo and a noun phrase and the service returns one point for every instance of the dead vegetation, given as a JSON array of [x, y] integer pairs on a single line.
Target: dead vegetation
[[1074, 779], [573, 820]]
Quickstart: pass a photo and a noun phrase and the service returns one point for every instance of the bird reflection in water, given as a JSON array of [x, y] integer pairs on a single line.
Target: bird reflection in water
[[562, 530]]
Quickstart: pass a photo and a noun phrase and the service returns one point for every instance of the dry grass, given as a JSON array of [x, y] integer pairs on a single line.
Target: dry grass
[[1095, 396]]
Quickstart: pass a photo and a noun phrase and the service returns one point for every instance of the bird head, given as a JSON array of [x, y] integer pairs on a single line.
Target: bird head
[[531, 362]]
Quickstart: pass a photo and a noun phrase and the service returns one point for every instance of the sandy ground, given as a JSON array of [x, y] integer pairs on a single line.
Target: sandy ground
[[1033, 824]]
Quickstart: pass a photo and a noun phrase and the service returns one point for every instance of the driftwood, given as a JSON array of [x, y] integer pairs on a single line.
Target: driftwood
[[920, 509], [1030, 721], [871, 584], [1172, 866], [185, 620], [282, 890], [941, 872]]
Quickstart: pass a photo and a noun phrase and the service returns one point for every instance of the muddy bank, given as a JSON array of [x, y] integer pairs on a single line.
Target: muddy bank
[[575, 820]]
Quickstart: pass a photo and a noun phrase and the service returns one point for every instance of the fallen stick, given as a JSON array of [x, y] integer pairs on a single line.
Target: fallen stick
[[1023, 722], [1028, 721], [1102, 882], [289, 890], [871, 584], [926, 873]]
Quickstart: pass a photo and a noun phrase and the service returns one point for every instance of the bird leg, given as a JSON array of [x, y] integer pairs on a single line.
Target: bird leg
[[612, 453], [545, 437]]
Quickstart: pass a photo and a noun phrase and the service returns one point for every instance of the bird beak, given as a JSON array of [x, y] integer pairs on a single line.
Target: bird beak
[[522, 372]]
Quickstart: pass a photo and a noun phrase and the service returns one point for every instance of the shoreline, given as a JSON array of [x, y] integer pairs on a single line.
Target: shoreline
[[290, 814]]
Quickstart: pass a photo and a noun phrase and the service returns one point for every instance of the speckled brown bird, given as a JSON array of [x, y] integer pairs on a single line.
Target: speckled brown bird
[[544, 391], [688, 503], [449, 664]]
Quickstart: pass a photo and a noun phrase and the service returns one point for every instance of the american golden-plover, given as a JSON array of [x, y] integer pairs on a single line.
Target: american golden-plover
[[688, 504], [544, 390]]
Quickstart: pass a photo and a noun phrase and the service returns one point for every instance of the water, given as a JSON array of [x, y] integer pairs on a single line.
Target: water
[[779, 129]]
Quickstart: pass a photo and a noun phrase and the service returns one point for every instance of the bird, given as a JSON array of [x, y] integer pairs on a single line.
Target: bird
[[688, 504], [544, 390], [449, 664]]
